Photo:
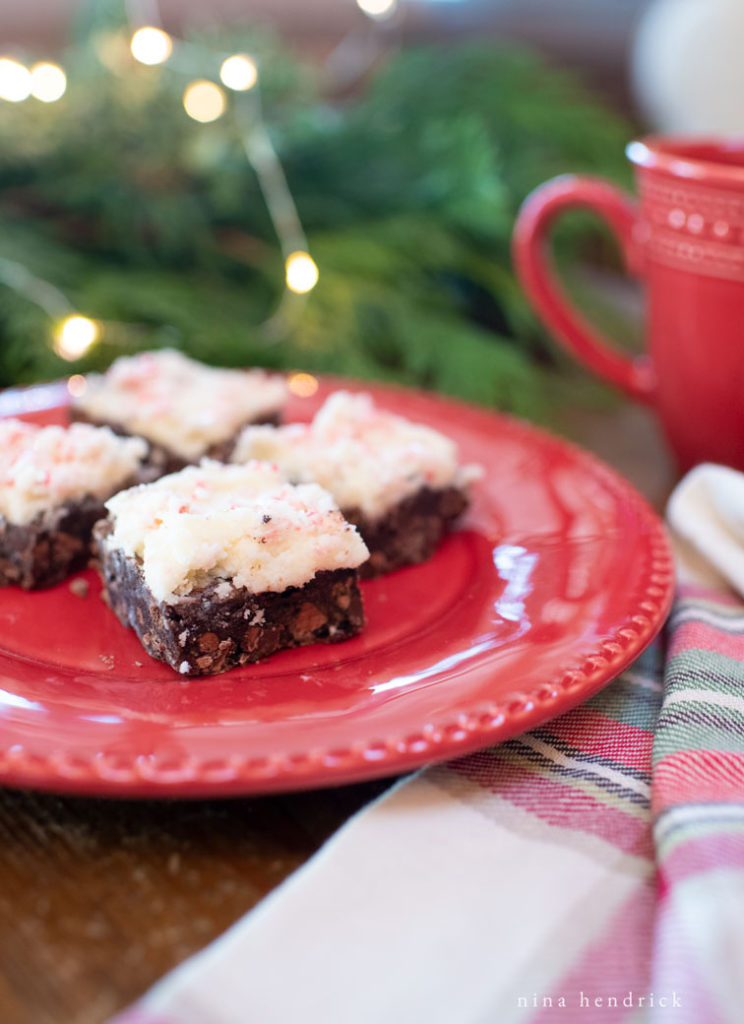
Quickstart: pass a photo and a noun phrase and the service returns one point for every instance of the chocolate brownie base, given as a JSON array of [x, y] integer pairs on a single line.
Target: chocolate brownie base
[[54, 544], [204, 632], [410, 532], [161, 460]]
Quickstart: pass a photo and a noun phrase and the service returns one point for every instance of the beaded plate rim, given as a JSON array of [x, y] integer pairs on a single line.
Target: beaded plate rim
[[472, 728]]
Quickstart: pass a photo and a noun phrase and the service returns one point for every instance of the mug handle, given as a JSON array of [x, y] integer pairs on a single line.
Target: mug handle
[[534, 266]]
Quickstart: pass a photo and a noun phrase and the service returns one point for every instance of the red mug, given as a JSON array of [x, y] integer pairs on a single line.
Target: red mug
[[685, 240]]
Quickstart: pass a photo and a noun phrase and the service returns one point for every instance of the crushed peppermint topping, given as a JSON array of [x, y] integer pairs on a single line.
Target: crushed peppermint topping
[[369, 459], [179, 403], [233, 526], [42, 467]]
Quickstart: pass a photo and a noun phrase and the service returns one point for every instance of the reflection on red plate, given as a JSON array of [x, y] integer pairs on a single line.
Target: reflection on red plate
[[559, 577]]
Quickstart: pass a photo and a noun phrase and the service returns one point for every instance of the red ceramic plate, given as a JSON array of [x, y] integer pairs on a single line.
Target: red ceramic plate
[[559, 577]]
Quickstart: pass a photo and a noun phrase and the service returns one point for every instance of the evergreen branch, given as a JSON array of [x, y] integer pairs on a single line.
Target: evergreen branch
[[407, 195]]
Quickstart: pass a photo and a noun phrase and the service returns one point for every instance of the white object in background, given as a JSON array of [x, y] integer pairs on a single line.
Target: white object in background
[[688, 66], [706, 514]]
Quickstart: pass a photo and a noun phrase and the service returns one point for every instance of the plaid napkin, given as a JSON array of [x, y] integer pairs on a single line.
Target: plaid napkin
[[589, 871]]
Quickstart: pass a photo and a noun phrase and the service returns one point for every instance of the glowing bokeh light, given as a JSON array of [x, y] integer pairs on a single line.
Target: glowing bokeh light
[[15, 81], [204, 101], [239, 72], [77, 385], [48, 82], [301, 271], [302, 384], [378, 8], [75, 336], [150, 45]]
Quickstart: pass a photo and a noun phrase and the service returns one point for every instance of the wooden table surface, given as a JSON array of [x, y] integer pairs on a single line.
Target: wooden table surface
[[98, 899]]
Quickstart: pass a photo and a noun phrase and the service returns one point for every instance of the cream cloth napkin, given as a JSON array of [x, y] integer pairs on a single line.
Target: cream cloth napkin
[[441, 902], [706, 514]]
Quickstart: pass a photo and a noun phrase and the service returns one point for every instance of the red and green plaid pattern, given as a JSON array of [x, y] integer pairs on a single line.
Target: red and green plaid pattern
[[698, 805]]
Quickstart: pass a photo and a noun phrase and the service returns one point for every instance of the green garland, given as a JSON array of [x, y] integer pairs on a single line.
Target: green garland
[[155, 224]]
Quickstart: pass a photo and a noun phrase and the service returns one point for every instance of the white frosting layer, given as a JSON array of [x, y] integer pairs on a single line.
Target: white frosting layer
[[177, 402], [367, 458], [243, 524], [42, 467]]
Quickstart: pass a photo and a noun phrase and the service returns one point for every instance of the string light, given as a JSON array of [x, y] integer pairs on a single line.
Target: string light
[[150, 45], [204, 101], [48, 82], [75, 336], [239, 72], [15, 81], [302, 384], [77, 385], [378, 8], [301, 271]]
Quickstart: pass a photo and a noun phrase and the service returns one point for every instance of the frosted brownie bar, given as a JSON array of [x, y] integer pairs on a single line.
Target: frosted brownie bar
[[217, 566], [398, 481], [184, 409], [53, 482]]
